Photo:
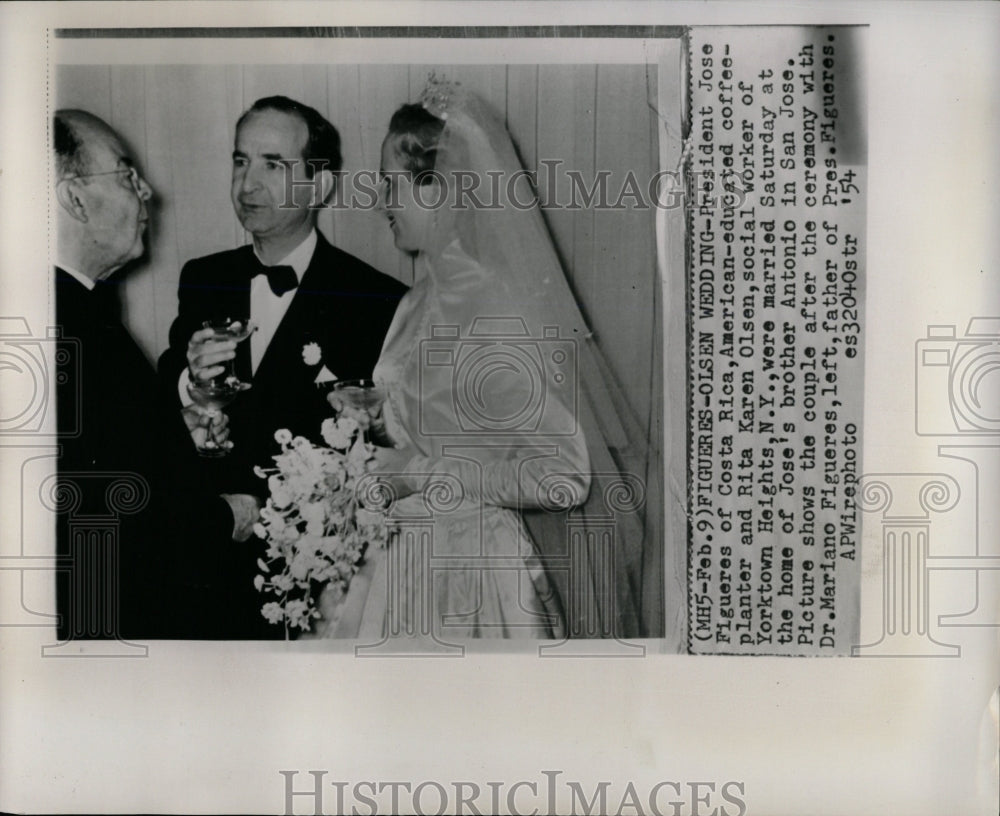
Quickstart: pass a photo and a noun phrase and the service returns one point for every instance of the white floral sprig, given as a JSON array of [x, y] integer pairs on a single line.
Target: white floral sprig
[[312, 354], [314, 523]]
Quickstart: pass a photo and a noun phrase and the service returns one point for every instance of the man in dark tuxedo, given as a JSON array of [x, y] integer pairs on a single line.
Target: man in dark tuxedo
[[294, 287], [136, 530]]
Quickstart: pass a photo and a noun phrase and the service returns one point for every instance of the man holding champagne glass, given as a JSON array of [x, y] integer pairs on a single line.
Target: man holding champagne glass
[[292, 289]]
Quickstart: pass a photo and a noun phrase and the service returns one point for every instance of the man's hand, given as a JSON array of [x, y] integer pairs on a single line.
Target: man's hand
[[205, 427], [246, 511], [206, 353]]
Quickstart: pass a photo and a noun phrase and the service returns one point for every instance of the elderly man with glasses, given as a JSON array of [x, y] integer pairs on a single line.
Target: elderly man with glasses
[[127, 462]]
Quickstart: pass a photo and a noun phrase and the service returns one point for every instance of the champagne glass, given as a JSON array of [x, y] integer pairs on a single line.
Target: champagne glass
[[365, 397], [228, 329], [215, 394]]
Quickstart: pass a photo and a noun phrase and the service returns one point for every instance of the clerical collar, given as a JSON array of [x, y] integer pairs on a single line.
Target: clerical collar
[[83, 279], [299, 258]]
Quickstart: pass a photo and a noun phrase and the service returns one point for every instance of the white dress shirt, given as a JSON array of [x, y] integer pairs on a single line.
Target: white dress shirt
[[69, 270], [266, 308]]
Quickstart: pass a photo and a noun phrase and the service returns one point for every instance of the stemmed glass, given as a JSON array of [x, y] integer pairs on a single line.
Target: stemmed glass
[[215, 394], [364, 397]]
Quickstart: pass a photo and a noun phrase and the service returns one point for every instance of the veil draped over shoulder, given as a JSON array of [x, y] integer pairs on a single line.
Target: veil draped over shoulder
[[523, 370]]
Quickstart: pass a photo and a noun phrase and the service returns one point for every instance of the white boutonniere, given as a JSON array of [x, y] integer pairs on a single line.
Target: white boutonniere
[[312, 354]]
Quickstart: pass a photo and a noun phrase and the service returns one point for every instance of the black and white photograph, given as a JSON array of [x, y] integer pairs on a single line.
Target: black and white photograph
[[499, 407], [447, 424]]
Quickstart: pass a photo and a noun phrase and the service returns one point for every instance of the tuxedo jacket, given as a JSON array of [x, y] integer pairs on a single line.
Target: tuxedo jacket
[[141, 579], [342, 304]]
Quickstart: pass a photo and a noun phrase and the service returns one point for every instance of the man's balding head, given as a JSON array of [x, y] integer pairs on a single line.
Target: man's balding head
[[102, 198]]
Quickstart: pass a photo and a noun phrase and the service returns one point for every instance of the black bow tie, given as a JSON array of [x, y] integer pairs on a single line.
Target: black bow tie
[[281, 279]]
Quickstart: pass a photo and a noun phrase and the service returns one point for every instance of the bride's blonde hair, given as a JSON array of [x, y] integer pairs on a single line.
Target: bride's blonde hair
[[414, 134]]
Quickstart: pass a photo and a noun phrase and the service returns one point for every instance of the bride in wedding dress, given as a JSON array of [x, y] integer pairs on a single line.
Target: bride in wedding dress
[[503, 430]]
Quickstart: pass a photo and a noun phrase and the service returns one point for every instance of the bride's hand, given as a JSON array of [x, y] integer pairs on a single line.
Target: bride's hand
[[328, 606], [390, 465], [371, 421], [362, 417]]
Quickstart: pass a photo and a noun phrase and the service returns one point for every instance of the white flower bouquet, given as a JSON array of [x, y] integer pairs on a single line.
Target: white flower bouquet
[[314, 522]]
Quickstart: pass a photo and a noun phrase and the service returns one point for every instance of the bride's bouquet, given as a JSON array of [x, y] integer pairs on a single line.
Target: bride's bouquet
[[314, 522]]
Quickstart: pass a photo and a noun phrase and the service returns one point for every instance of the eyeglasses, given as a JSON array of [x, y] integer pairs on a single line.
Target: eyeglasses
[[133, 176]]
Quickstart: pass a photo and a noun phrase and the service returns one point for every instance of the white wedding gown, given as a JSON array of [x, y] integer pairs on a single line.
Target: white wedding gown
[[461, 563]]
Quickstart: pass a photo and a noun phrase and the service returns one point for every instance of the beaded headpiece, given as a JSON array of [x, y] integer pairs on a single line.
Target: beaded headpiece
[[438, 95]]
